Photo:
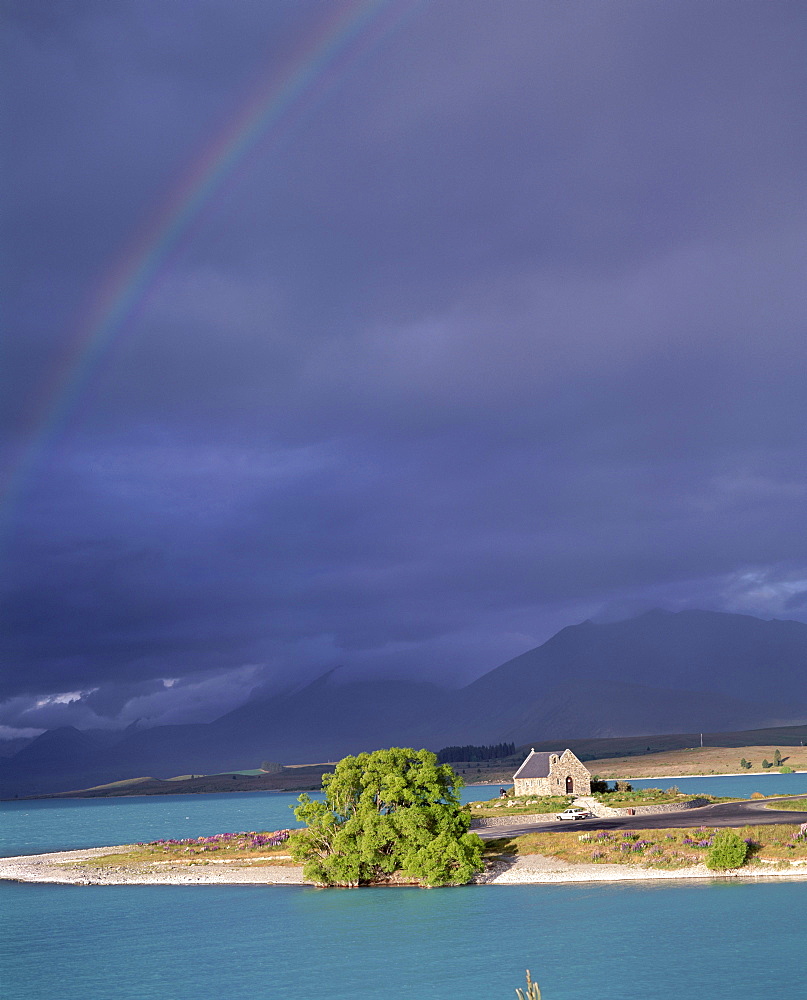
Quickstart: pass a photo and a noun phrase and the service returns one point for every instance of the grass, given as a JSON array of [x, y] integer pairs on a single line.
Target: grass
[[520, 805], [797, 805], [698, 760], [651, 797], [249, 848], [664, 849], [528, 804]]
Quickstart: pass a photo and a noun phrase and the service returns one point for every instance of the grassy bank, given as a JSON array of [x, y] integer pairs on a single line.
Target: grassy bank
[[248, 848], [521, 805], [653, 797], [666, 849], [535, 804]]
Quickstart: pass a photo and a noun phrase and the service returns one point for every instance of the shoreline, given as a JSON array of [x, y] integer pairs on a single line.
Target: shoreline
[[64, 868], [87, 793]]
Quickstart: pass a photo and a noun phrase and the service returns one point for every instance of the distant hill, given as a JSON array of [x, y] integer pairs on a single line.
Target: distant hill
[[662, 672], [650, 674]]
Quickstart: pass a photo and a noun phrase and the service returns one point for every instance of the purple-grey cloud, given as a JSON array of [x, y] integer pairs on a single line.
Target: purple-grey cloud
[[507, 332]]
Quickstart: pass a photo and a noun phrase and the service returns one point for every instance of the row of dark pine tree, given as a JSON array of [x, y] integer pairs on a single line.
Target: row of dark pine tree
[[449, 755]]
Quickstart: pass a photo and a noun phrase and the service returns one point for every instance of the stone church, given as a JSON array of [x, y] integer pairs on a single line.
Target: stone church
[[552, 773]]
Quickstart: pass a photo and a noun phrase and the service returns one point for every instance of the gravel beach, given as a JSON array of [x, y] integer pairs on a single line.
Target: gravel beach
[[66, 868]]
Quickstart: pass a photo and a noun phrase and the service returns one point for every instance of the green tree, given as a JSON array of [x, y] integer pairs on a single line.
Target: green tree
[[395, 810], [271, 766], [766, 764], [777, 758], [728, 850]]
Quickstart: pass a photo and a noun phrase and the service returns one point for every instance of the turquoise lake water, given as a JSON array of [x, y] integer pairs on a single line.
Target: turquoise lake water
[[734, 941], [43, 825], [715, 940]]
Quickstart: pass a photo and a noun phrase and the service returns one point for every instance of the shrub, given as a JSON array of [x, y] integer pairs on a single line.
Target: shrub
[[728, 850], [757, 795], [766, 764], [786, 770], [624, 786]]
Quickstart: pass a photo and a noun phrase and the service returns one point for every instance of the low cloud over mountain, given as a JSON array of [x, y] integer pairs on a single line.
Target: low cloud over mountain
[[718, 672]]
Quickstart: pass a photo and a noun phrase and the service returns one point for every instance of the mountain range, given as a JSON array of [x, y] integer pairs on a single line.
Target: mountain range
[[662, 672]]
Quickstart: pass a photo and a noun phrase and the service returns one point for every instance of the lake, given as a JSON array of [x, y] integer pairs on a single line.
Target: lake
[[43, 825], [721, 941], [716, 939]]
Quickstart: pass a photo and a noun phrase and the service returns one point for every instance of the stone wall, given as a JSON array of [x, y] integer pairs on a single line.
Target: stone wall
[[482, 822], [664, 807], [570, 766], [602, 810], [531, 786]]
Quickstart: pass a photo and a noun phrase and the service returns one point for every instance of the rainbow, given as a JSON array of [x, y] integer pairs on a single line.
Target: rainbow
[[351, 31]]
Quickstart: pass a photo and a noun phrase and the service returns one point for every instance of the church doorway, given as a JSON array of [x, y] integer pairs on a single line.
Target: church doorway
[[569, 786]]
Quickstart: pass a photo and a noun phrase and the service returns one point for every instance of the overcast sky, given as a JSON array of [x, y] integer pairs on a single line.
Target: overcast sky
[[497, 327]]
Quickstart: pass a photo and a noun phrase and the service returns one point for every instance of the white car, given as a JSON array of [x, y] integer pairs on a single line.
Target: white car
[[574, 812]]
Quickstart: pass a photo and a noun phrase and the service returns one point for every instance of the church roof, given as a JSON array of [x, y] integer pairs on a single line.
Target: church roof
[[536, 765]]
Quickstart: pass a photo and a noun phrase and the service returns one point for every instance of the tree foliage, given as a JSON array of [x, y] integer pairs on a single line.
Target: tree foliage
[[391, 811], [471, 752]]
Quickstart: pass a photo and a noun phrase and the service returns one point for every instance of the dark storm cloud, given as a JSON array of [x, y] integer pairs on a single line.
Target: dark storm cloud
[[504, 333]]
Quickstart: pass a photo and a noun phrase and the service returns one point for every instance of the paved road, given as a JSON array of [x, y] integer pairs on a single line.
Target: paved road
[[743, 813]]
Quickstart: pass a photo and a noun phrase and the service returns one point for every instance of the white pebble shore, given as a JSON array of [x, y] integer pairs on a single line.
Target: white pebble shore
[[65, 867]]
